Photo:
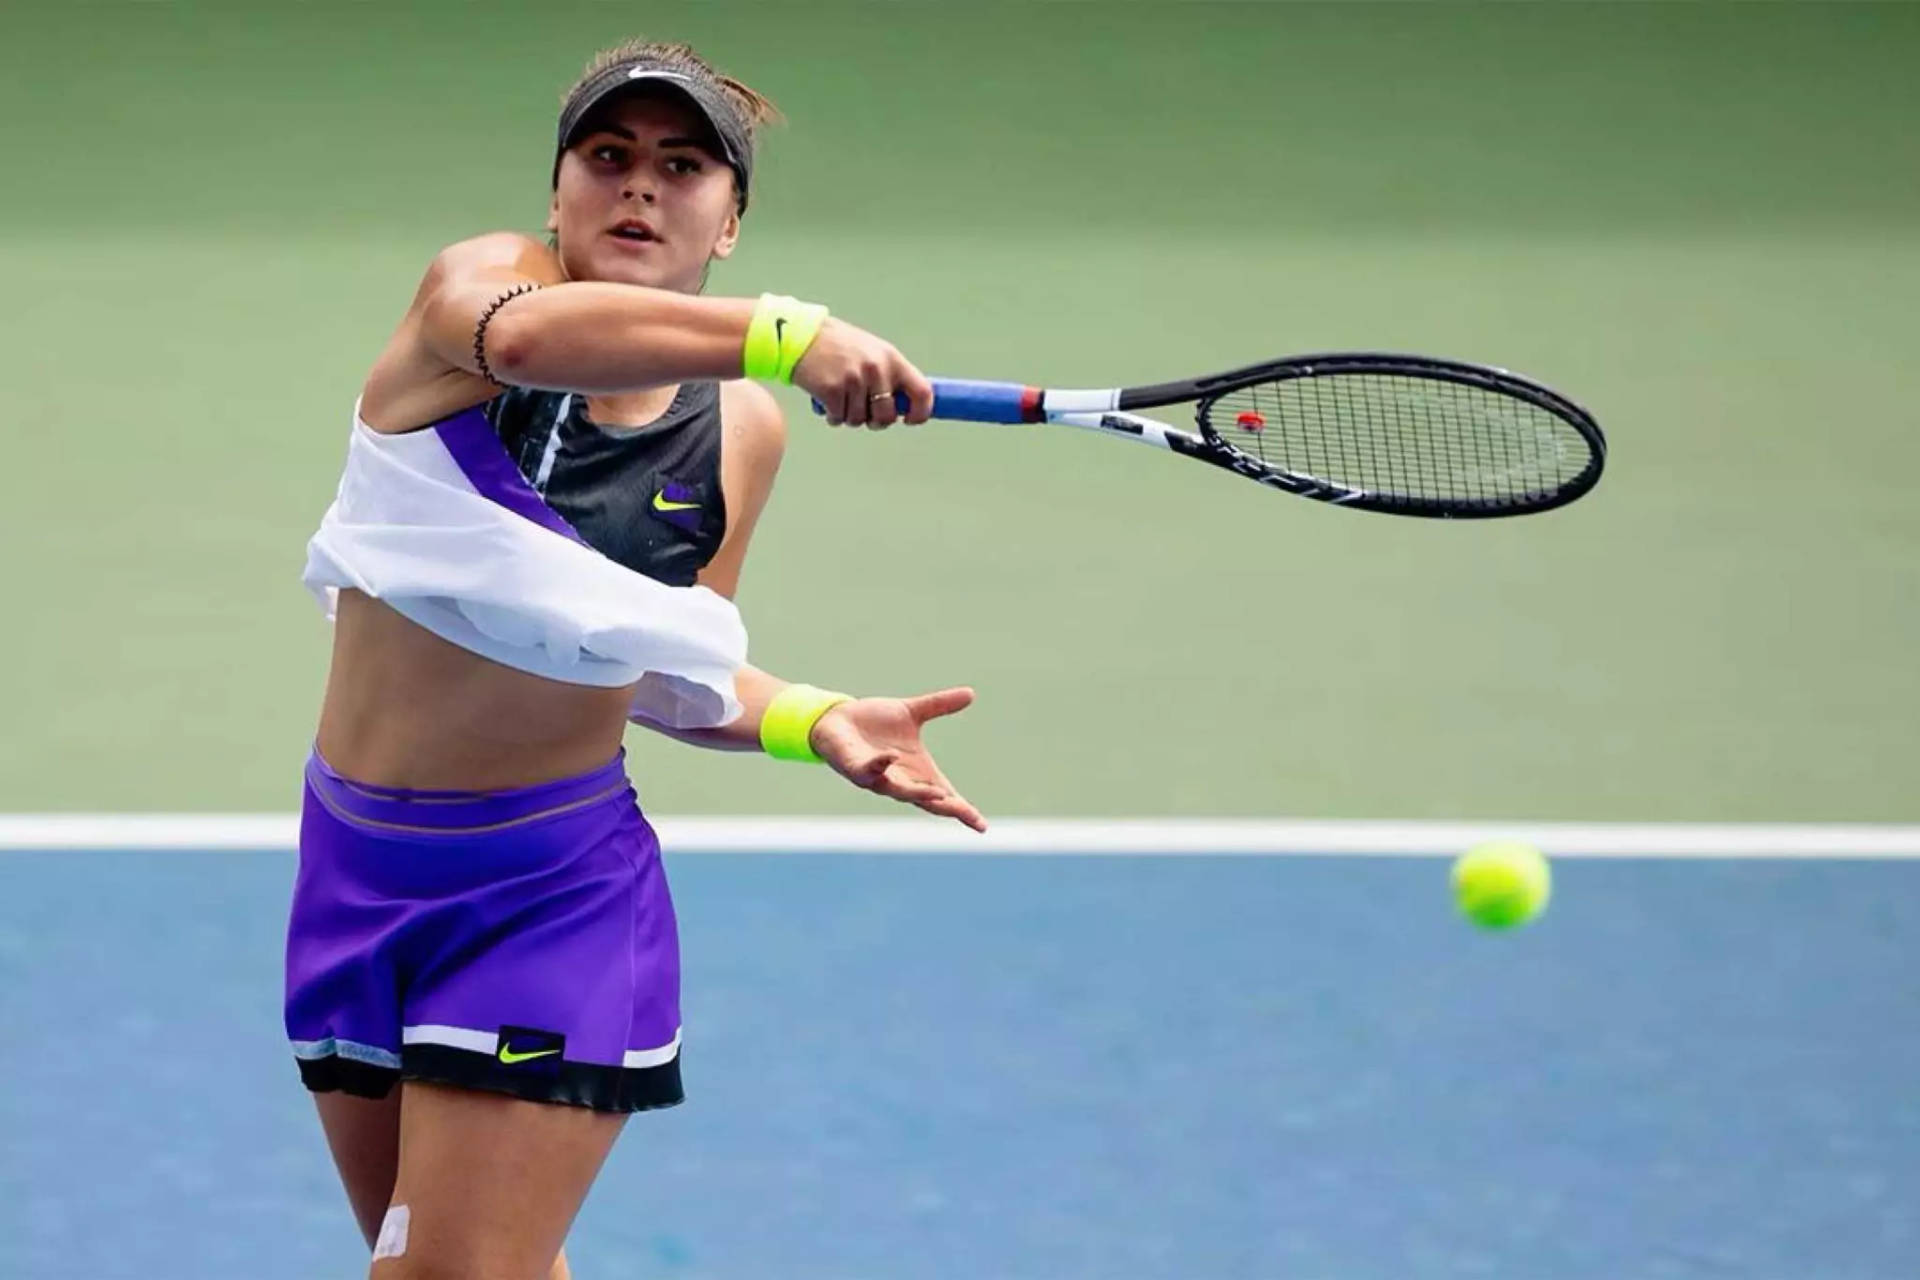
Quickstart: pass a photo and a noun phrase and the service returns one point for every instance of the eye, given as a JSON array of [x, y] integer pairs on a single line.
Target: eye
[[609, 153], [684, 164]]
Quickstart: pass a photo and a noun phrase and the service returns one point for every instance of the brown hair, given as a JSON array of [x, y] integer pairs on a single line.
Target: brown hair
[[755, 108]]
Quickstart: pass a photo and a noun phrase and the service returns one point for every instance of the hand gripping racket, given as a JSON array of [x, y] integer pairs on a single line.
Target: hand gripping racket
[[1407, 435]]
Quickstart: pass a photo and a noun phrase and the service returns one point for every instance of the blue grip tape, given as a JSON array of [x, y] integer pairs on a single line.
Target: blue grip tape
[[963, 401], [960, 400]]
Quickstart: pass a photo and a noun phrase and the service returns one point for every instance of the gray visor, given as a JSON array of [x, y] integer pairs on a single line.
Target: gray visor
[[706, 97]]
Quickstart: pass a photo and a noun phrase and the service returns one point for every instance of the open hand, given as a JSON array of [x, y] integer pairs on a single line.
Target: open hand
[[875, 743]]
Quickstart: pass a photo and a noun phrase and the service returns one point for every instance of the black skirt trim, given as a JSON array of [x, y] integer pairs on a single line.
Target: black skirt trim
[[574, 1084], [347, 1075]]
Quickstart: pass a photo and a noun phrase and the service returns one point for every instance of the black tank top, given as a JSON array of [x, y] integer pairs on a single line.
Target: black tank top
[[648, 497]]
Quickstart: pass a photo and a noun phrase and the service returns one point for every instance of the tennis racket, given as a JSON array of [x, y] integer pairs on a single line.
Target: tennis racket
[[1407, 435]]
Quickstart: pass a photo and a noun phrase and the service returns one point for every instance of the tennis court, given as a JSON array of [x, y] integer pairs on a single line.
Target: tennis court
[[1181, 1066], [1172, 1048]]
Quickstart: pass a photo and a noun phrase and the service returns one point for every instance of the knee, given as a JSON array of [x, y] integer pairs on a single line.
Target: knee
[[400, 1254], [441, 1266], [428, 1267]]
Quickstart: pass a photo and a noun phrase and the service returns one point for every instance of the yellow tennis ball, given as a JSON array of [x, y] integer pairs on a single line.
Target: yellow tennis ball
[[1502, 884]]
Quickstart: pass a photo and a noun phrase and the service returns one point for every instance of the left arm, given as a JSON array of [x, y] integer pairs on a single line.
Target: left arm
[[874, 743]]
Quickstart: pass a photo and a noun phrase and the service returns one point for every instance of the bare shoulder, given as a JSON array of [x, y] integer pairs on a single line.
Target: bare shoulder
[[424, 372], [501, 252], [755, 424]]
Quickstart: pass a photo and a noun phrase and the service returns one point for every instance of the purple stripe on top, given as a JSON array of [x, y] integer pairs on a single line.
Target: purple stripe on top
[[490, 469]]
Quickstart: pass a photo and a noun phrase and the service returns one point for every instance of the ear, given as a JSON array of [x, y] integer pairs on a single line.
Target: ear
[[729, 236], [553, 212]]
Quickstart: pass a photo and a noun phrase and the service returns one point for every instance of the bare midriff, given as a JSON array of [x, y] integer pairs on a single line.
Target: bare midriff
[[405, 708]]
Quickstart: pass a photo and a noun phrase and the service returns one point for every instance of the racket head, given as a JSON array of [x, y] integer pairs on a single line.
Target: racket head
[[1406, 435]]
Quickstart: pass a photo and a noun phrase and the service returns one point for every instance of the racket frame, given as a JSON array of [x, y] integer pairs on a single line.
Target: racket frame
[[1108, 411]]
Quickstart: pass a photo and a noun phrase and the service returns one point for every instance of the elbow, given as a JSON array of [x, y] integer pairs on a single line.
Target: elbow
[[510, 345]]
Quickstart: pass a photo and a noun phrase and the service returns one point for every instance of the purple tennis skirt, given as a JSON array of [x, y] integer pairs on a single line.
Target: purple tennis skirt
[[516, 941]]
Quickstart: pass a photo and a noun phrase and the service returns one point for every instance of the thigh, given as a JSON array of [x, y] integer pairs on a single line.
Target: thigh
[[490, 1183], [364, 1136]]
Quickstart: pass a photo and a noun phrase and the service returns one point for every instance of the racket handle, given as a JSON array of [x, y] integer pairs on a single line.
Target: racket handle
[[961, 400]]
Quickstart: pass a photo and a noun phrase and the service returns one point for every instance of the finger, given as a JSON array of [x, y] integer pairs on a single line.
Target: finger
[[932, 794], [898, 786], [873, 770], [919, 391], [855, 401], [881, 410], [942, 703], [835, 404], [945, 801], [955, 806]]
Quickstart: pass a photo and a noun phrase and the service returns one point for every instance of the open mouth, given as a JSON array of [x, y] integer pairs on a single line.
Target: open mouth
[[635, 232]]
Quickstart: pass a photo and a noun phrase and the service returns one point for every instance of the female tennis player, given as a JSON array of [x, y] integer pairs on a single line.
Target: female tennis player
[[554, 472]]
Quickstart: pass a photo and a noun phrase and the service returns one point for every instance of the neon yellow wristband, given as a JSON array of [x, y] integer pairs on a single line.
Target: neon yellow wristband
[[780, 332], [787, 726]]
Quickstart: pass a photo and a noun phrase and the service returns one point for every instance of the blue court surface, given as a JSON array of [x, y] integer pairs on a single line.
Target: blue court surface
[[1189, 1068]]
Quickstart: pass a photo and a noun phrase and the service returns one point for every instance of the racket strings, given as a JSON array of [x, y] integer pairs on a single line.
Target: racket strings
[[1400, 438]]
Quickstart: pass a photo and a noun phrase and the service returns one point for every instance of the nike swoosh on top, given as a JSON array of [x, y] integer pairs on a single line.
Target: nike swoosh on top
[[660, 503]]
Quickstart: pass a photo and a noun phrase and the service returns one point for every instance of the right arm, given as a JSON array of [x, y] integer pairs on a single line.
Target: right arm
[[599, 338]]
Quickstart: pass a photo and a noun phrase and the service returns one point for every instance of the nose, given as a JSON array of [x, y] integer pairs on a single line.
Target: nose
[[638, 190]]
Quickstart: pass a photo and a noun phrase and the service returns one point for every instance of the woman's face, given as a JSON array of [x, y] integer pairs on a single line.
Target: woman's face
[[641, 200]]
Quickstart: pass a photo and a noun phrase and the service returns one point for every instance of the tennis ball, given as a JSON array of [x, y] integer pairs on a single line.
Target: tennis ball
[[1502, 884]]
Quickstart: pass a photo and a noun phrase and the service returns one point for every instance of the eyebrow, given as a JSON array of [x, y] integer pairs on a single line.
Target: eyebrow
[[621, 131]]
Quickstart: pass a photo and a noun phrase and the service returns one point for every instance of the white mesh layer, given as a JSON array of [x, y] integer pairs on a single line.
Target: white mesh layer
[[408, 528]]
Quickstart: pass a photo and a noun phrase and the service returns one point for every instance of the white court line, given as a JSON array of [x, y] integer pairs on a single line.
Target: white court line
[[1030, 836]]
